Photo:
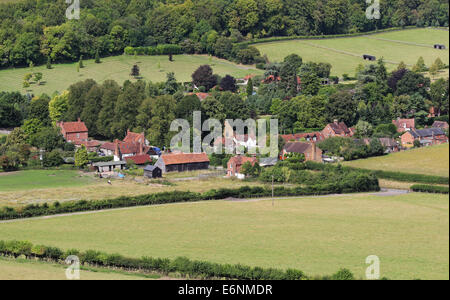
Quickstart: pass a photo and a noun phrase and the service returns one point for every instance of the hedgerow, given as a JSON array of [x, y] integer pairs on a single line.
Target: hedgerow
[[429, 189], [358, 182], [154, 50], [181, 265]]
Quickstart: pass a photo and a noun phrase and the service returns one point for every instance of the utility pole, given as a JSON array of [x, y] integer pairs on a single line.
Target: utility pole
[[272, 192]]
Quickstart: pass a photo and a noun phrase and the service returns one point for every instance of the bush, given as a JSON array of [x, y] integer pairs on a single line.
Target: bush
[[164, 49], [52, 159], [429, 189]]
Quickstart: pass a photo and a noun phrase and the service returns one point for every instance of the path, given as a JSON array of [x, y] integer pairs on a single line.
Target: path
[[400, 42], [382, 193]]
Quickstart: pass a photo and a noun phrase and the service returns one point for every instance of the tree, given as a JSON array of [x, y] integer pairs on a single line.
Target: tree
[[204, 76], [420, 66], [440, 96], [135, 71], [111, 91], [310, 83], [38, 77], [343, 107], [438, 62], [39, 110], [171, 85], [363, 129], [311, 112], [162, 115], [49, 63], [91, 109], [48, 139], [434, 69], [52, 159], [214, 109], [80, 62], [228, 83], [58, 106], [81, 157], [186, 106], [97, 57], [401, 65], [412, 83]]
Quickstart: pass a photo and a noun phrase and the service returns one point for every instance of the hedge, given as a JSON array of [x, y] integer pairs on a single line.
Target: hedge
[[318, 37], [101, 159], [181, 265], [397, 176], [429, 189], [154, 50], [362, 183]]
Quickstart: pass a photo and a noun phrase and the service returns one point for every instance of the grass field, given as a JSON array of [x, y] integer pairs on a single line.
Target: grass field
[[21, 269], [26, 187], [118, 68], [345, 53], [432, 160], [409, 233]]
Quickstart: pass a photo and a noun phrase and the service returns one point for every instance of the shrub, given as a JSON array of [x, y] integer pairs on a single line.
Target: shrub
[[343, 274], [429, 189]]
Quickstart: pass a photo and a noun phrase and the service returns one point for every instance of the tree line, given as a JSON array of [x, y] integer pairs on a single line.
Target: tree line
[[39, 31]]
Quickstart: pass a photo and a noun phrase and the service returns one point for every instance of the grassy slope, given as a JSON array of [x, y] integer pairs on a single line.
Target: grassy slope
[[118, 68], [27, 180], [343, 63], [410, 233], [431, 161], [33, 270]]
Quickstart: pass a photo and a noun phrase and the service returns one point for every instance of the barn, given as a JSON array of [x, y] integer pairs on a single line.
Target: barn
[[152, 172], [369, 57], [180, 162], [439, 46]]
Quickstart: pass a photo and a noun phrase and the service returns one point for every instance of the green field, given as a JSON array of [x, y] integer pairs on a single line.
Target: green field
[[344, 54], [40, 179], [409, 233], [21, 269], [432, 160], [118, 68]]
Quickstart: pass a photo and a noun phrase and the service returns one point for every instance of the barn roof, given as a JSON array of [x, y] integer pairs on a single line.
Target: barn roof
[[139, 159], [184, 158]]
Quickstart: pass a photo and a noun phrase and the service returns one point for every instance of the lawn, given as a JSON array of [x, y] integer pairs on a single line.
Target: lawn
[[344, 54], [118, 68], [26, 187], [40, 179], [21, 269], [430, 161], [409, 233]]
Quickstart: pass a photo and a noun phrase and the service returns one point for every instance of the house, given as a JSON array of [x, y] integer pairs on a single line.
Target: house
[[109, 166], [201, 96], [336, 129], [308, 137], [426, 137], [91, 146], [74, 132], [404, 125], [440, 124], [152, 172], [133, 137], [369, 57], [133, 144], [310, 150], [139, 160], [268, 161], [244, 81], [181, 162], [390, 145], [235, 164]]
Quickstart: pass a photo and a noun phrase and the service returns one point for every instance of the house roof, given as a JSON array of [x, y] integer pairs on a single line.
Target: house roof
[[240, 160], [297, 147], [184, 158], [125, 148], [89, 144], [405, 123], [201, 96], [339, 128], [298, 136], [133, 137], [428, 132], [440, 124], [388, 142], [71, 127], [139, 159]]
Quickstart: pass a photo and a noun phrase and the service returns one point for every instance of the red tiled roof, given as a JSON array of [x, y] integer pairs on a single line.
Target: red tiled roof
[[140, 159], [184, 158], [89, 144], [125, 148], [133, 137], [240, 160], [400, 123], [340, 128], [70, 127], [298, 136], [297, 147], [200, 96]]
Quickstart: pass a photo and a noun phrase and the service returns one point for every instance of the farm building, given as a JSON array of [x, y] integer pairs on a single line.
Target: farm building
[[426, 137], [310, 150], [180, 162], [336, 129], [369, 57], [235, 163], [109, 166], [152, 172], [440, 124], [139, 160], [439, 46]]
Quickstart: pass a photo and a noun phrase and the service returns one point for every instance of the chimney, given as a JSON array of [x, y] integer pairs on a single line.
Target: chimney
[[314, 150], [336, 121], [141, 148], [79, 120]]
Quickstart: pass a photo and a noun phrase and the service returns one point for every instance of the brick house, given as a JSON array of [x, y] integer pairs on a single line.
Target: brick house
[[133, 144], [310, 150], [181, 162], [235, 163], [308, 137], [74, 132], [404, 125], [133, 137], [426, 137], [336, 129]]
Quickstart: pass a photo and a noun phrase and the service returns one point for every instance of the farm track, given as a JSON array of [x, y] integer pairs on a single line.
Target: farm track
[[396, 41], [382, 193]]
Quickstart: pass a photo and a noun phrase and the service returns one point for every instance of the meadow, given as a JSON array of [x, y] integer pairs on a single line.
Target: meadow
[[118, 68], [319, 235], [432, 160], [344, 54]]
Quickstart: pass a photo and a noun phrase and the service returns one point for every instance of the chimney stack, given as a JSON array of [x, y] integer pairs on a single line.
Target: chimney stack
[[79, 120], [336, 121]]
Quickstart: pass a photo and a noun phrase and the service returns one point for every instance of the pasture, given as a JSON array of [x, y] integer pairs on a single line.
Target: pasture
[[118, 68], [344, 54], [319, 235], [432, 160]]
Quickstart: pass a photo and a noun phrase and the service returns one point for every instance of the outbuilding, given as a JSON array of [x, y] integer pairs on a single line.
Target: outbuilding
[[109, 166], [369, 57], [439, 46], [152, 172], [181, 162]]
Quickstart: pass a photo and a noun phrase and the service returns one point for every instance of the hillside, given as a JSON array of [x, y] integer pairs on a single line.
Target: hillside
[[344, 54], [431, 161]]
